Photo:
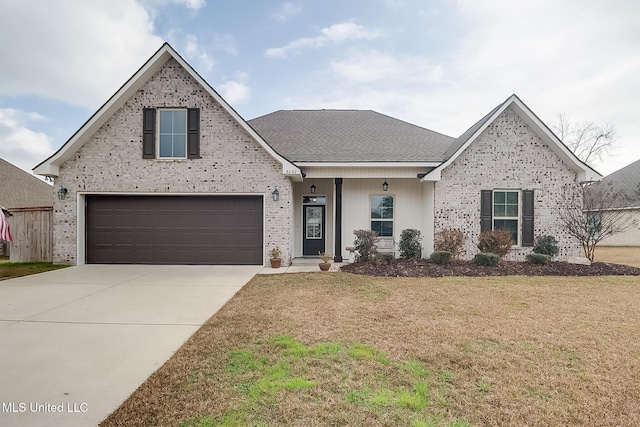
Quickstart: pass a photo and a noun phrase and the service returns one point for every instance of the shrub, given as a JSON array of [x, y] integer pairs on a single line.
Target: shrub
[[546, 245], [365, 244], [538, 258], [496, 242], [409, 245], [325, 257], [385, 257], [275, 252], [441, 257], [449, 240], [487, 259]]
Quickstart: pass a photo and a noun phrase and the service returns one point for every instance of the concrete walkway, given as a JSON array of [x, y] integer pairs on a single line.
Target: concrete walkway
[[76, 342], [301, 265]]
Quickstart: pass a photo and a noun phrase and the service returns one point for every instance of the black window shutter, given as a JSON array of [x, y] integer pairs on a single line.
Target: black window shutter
[[527, 218], [148, 133], [486, 210], [193, 133]]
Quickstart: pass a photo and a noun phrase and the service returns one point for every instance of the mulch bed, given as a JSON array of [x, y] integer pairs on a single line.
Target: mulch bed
[[426, 268]]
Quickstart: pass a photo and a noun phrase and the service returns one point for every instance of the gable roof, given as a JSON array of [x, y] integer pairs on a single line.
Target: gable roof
[[584, 171], [50, 167], [626, 182], [349, 136], [20, 189]]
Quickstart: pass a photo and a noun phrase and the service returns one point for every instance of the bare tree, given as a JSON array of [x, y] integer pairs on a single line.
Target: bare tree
[[588, 140], [592, 213]]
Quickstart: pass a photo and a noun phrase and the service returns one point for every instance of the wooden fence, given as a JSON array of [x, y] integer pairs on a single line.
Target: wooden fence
[[32, 232]]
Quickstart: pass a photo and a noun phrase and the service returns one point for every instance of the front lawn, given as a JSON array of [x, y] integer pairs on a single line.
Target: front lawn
[[629, 255], [10, 270], [340, 349]]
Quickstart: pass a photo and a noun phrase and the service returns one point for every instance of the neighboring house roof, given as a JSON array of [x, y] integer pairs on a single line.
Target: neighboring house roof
[[50, 167], [584, 171], [626, 182], [20, 189], [349, 136]]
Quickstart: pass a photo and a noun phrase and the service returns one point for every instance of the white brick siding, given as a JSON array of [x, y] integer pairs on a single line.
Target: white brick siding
[[507, 155], [232, 162]]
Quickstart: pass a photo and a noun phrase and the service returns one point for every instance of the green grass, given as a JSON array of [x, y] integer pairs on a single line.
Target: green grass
[[10, 270], [364, 352], [296, 348], [287, 369]]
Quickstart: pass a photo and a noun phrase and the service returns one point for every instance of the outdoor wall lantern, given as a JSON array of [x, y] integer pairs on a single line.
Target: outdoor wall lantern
[[276, 195], [385, 185], [313, 189], [62, 193]]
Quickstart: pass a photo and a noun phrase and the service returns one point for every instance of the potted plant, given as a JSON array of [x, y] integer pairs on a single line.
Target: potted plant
[[275, 257], [325, 264]]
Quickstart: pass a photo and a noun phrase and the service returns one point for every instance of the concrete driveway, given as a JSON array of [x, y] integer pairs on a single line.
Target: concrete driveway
[[76, 342]]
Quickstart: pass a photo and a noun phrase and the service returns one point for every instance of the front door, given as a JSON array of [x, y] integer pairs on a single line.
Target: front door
[[313, 241]]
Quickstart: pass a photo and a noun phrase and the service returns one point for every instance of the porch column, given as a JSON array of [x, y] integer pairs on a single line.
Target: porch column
[[337, 257]]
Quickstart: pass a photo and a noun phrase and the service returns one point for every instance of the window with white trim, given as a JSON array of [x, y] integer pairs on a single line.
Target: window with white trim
[[381, 215], [506, 212], [172, 133]]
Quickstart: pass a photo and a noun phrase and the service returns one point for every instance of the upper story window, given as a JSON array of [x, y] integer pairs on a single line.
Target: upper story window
[[172, 133], [382, 215]]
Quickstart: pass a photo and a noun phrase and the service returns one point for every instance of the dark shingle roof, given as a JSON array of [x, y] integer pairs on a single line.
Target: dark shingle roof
[[626, 181], [349, 136], [19, 189]]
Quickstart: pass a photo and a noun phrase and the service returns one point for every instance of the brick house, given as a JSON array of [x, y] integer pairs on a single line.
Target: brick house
[[167, 172]]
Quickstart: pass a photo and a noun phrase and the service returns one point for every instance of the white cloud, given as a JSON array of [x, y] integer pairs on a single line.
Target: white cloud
[[381, 68], [189, 4], [235, 91], [225, 43], [286, 12], [193, 50], [581, 59], [19, 145], [336, 34], [75, 52]]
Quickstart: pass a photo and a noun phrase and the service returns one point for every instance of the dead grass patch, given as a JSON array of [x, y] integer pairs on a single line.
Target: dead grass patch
[[626, 255], [340, 349]]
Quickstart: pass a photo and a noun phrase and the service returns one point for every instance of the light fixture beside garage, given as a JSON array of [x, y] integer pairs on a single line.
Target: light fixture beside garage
[[62, 193], [276, 195]]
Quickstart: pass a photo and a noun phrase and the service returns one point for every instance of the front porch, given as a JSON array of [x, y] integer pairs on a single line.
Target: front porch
[[328, 210]]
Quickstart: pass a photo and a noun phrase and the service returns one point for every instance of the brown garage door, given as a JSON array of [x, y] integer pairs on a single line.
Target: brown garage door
[[174, 229]]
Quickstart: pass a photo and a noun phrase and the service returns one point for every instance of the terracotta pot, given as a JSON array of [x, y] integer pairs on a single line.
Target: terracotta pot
[[325, 266], [275, 262]]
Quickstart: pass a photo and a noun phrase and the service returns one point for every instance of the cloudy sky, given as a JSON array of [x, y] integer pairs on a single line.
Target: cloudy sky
[[439, 64]]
